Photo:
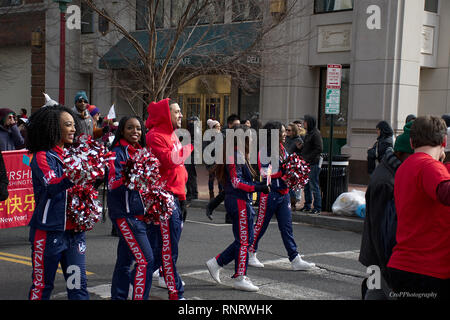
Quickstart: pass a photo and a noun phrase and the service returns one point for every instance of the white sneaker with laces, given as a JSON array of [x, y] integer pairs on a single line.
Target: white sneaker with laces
[[299, 264], [253, 260], [214, 269], [243, 283]]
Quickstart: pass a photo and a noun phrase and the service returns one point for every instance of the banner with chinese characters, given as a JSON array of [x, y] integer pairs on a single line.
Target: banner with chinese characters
[[17, 210]]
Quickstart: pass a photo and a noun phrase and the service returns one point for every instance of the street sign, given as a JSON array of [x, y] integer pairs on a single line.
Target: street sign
[[332, 101], [334, 74]]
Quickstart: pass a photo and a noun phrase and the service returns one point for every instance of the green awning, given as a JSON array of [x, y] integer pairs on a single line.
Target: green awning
[[209, 44]]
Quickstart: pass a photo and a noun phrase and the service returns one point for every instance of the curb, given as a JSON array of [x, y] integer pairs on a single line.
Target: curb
[[322, 221]]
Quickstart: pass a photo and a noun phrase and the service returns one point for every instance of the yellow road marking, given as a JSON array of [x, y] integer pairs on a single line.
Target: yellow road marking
[[27, 261]]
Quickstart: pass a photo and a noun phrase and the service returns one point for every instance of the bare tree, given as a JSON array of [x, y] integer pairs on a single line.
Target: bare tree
[[156, 61]]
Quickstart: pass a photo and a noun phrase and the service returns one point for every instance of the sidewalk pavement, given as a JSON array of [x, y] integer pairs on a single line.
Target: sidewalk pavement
[[325, 219]]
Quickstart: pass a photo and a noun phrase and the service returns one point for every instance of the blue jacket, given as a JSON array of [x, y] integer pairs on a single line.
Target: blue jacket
[[122, 202], [50, 190], [277, 183], [239, 180]]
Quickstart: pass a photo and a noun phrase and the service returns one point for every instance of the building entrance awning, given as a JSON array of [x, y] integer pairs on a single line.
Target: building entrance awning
[[207, 45]]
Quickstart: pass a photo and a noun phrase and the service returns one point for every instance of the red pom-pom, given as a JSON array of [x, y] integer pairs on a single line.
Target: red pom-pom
[[296, 172], [83, 207], [85, 160], [141, 173]]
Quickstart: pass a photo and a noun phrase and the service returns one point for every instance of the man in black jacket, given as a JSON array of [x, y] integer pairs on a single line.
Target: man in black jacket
[[311, 150], [379, 192], [3, 180]]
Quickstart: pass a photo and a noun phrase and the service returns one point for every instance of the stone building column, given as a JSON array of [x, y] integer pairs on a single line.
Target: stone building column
[[385, 73]]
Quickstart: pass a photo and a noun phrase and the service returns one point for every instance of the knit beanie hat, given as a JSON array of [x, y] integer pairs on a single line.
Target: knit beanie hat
[[93, 110], [402, 143], [81, 95], [212, 123]]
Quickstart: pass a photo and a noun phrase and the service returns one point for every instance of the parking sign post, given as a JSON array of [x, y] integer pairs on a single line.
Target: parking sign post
[[332, 107]]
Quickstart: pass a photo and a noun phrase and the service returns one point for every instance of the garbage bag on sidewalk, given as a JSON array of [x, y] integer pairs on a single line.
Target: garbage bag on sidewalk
[[350, 204]]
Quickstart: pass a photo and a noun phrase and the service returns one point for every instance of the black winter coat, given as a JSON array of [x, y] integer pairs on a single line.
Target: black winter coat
[[379, 192], [313, 145], [3, 180]]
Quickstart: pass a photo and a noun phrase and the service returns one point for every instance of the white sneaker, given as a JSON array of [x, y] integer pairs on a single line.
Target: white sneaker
[[155, 274], [299, 264], [214, 269], [253, 260], [162, 282], [243, 283]]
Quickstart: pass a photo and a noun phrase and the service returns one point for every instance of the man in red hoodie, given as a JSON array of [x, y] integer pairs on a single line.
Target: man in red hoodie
[[164, 117]]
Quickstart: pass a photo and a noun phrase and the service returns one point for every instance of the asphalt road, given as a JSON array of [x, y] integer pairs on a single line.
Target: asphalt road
[[338, 274]]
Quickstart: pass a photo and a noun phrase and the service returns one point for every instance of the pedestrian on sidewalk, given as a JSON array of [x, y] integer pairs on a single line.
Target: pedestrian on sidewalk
[[385, 139], [276, 202], [191, 186], [311, 151], [212, 125], [232, 120], [164, 118], [420, 262], [379, 194], [10, 137], [52, 236], [3, 180], [237, 177], [98, 131], [80, 110], [126, 211]]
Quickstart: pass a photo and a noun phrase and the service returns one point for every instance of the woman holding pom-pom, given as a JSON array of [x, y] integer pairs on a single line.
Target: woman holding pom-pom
[[126, 210], [276, 202], [52, 236]]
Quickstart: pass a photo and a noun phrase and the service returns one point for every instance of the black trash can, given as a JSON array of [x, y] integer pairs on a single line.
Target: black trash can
[[339, 178]]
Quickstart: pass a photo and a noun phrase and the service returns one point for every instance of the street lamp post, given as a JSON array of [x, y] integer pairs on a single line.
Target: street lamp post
[[62, 48]]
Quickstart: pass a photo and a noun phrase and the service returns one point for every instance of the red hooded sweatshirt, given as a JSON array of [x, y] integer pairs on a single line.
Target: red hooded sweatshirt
[[164, 143]]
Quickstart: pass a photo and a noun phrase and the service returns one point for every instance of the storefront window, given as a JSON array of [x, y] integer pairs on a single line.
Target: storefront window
[[321, 6], [340, 120], [142, 15], [432, 6]]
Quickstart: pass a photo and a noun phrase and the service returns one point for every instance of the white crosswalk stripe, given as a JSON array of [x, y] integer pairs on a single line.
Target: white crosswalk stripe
[[270, 287]]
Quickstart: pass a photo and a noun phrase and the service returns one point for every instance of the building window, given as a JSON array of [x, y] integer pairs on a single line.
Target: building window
[[103, 24], [213, 13], [321, 6], [142, 14], [432, 5], [246, 10], [87, 19], [9, 3]]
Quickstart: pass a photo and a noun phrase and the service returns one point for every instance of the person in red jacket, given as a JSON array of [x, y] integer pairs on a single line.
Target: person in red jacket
[[164, 118]]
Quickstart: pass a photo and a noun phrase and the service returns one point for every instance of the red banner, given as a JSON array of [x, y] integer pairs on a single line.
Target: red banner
[[17, 210]]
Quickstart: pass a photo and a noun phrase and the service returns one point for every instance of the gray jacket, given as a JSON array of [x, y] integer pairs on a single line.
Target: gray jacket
[[85, 121]]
